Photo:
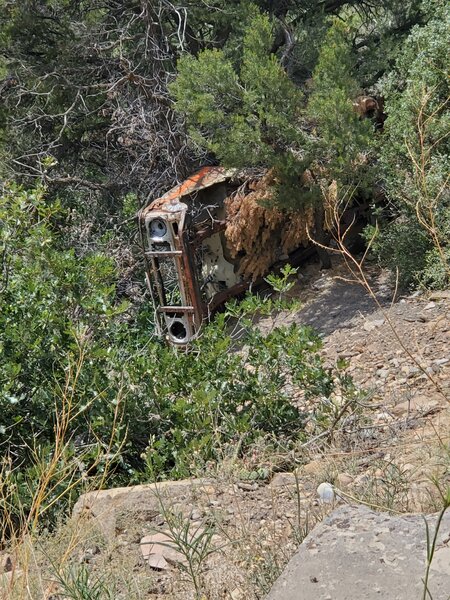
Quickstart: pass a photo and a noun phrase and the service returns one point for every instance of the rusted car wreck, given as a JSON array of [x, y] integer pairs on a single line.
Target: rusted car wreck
[[207, 240]]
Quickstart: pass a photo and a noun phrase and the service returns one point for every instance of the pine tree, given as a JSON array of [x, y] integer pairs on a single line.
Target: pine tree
[[343, 138], [249, 114]]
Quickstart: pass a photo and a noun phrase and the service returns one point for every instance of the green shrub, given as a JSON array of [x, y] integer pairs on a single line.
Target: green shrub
[[402, 247], [415, 157], [84, 392], [53, 303], [247, 111], [435, 274], [344, 139]]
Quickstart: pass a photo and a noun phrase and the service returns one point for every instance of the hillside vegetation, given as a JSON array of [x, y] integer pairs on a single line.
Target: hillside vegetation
[[106, 105]]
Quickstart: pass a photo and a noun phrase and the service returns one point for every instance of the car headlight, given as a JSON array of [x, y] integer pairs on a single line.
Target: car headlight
[[157, 228]]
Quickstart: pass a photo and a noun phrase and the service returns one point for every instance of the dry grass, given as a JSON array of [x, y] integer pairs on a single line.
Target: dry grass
[[254, 533], [25, 506]]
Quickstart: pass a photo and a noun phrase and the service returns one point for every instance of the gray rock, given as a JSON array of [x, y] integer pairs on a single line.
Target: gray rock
[[281, 480], [413, 371], [6, 563], [414, 318], [247, 487], [383, 373], [440, 295], [349, 353], [359, 553], [111, 510], [378, 322], [441, 361], [196, 515], [371, 325]]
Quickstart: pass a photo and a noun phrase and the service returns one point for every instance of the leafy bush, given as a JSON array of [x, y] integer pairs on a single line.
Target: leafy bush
[[84, 391], [57, 315], [402, 247], [50, 301]]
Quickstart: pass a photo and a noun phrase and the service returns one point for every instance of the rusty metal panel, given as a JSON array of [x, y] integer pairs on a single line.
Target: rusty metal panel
[[169, 254], [206, 177], [188, 270], [161, 236]]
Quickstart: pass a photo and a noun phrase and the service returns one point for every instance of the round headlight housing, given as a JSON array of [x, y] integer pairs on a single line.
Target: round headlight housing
[[157, 228]]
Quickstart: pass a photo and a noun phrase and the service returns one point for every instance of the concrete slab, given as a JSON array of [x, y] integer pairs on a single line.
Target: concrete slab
[[357, 553]]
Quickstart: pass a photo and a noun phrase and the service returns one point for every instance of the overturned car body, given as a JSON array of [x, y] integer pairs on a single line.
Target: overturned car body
[[208, 239]]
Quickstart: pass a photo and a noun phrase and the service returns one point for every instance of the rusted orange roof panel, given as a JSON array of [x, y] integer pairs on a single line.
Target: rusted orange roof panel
[[206, 177]]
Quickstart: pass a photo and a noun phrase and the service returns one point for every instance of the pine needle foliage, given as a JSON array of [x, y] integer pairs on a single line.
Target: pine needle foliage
[[249, 114], [344, 140]]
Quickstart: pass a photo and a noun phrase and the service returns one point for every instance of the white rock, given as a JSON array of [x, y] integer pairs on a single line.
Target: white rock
[[158, 562], [325, 492]]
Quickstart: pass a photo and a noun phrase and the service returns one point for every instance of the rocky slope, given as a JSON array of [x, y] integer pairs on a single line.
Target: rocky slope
[[400, 353]]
